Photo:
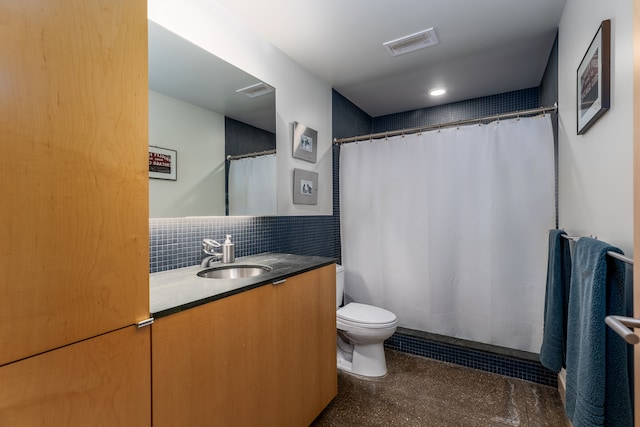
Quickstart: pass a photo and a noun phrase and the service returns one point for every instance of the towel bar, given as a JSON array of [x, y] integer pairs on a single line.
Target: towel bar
[[621, 325], [610, 253]]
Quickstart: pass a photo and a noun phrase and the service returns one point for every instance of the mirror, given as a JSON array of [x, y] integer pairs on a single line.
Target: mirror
[[199, 110]]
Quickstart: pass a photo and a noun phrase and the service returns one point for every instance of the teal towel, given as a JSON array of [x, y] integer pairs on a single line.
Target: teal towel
[[554, 339], [597, 391]]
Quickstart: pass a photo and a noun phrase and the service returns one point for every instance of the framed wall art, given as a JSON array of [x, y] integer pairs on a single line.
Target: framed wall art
[[305, 187], [305, 142], [594, 79], [162, 163]]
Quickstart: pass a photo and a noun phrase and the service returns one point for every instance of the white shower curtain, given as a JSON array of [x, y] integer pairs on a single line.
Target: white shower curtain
[[449, 229], [252, 186]]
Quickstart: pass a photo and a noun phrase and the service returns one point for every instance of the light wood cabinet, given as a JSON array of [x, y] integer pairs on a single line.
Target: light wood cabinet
[[215, 362], [74, 213], [74, 185], [264, 357], [306, 322], [103, 381]]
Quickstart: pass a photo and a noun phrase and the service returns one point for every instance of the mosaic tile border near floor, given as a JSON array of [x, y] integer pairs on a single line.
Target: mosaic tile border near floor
[[514, 367]]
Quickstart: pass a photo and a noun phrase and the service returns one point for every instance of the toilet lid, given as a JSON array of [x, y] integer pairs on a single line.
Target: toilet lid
[[365, 314]]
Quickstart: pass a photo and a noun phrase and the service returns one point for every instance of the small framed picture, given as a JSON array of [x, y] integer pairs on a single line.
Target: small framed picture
[[305, 187], [304, 142], [594, 79], [162, 163]]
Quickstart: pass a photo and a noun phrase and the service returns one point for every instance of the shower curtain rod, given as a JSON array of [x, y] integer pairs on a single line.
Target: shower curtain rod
[[256, 154], [530, 112], [610, 253]]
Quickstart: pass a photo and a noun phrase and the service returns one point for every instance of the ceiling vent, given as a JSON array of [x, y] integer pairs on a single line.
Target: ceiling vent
[[256, 90], [412, 42]]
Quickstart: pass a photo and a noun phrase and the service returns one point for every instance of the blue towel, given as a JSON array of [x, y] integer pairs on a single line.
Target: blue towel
[[554, 339], [597, 391]]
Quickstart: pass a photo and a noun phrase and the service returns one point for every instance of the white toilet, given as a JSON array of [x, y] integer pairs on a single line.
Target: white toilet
[[362, 330]]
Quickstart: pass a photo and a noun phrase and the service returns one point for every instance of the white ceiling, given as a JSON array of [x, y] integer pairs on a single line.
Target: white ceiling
[[486, 47]]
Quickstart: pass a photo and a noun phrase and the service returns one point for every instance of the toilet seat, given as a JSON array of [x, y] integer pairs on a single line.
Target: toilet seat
[[365, 316]]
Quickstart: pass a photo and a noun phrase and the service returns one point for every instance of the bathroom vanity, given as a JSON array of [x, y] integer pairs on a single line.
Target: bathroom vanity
[[257, 350]]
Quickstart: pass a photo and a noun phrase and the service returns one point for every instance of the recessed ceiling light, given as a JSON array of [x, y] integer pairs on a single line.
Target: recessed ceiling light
[[437, 91]]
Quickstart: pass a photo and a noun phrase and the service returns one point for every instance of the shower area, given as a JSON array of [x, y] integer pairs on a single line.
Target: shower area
[[457, 247]]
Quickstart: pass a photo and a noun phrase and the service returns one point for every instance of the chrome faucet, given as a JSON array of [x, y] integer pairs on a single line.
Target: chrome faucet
[[208, 247]]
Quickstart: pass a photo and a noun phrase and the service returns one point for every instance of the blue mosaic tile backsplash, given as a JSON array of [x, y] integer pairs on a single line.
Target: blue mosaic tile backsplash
[[176, 242]]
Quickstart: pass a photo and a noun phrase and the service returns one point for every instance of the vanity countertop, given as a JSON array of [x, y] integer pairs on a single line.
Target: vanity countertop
[[176, 290]]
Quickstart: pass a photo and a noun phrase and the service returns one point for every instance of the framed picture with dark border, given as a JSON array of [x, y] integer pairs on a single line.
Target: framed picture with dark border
[[162, 163], [305, 187], [305, 142], [594, 79]]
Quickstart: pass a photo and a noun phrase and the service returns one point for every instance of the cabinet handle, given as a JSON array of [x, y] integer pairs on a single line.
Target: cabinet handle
[[279, 282], [145, 322]]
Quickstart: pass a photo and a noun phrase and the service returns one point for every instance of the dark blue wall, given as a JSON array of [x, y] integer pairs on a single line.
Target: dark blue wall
[[347, 119], [241, 138]]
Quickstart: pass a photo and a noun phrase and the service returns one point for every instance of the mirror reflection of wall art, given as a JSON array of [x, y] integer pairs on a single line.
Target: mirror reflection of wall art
[[593, 78], [305, 187], [304, 142], [162, 163]]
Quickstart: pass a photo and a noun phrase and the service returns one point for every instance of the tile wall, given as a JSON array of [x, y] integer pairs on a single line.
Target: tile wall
[[176, 242], [471, 109], [526, 369]]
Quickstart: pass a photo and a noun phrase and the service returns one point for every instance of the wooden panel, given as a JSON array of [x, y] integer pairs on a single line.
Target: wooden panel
[[214, 365], [636, 197], [74, 211], [102, 381], [307, 358]]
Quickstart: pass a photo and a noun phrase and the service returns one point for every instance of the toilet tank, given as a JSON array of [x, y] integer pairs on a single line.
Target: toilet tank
[[339, 284]]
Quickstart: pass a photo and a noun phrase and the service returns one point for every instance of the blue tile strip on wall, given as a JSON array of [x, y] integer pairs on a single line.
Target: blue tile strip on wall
[[176, 242], [484, 361], [471, 109]]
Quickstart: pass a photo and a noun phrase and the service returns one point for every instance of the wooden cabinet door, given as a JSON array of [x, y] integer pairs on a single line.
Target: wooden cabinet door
[[214, 365], [103, 381], [73, 171], [264, 357], [307, 345]]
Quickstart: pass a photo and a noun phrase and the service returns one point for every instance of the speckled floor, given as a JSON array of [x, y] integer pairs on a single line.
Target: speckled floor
[[422, 392]]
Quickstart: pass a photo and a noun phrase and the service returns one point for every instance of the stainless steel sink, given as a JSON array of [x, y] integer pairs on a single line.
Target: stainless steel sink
[[234, 271]]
